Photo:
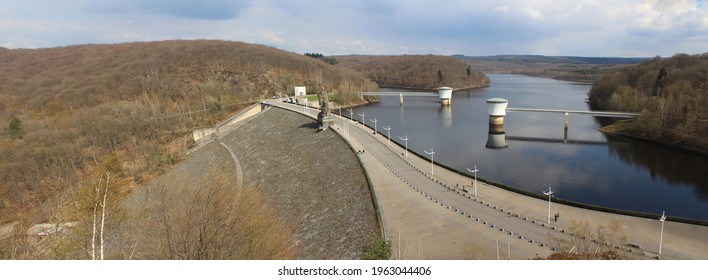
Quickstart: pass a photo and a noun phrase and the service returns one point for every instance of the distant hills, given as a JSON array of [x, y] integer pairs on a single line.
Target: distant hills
[[416, 71], [577, 68], [527, 59]]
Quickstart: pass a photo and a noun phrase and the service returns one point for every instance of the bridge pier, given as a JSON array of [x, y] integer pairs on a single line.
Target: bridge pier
[[565, 127]]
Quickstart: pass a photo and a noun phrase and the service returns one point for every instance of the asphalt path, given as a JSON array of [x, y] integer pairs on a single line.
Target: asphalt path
[[448, 197]]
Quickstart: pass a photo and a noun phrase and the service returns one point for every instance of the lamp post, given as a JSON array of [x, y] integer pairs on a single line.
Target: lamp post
[[362, 119], [405, 138], [475, 178], [661, 238], [375, 128], [388, 130], [432, 156], [549, 193], [346, 127], [351, 113]]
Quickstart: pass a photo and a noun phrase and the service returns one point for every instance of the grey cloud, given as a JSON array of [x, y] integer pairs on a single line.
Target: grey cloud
[[204, 9], [190, 9]]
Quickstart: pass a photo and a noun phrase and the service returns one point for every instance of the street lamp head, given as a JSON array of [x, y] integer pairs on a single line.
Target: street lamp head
[[404, 138], [472, 170], [548, 192]]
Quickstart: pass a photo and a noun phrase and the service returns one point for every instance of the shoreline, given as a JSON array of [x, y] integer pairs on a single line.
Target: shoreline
[[617, 129], [559, 78], [356, 104], [433, 89]]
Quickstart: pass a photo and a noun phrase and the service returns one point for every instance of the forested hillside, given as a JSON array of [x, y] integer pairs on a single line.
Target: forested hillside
[[416, 71], [671, 94], [572, 68], [73, 116]]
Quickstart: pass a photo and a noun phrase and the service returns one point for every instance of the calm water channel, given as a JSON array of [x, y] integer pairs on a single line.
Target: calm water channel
[[591, 168]]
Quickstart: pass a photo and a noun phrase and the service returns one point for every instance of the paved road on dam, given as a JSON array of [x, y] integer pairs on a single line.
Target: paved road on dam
[[431, 217]]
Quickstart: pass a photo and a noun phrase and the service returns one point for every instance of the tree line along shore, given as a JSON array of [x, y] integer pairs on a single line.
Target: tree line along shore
[[669, 93]]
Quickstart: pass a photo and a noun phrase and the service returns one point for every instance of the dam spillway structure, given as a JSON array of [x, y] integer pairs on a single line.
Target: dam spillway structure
[[445, 94], [496, 109]]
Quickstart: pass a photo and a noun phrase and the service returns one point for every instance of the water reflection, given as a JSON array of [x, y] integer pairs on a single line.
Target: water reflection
[[496, 140], [446, 116], [533, 151], [675, 166]]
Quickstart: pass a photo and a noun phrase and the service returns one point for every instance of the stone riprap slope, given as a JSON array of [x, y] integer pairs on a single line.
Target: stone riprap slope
[[313, 179]]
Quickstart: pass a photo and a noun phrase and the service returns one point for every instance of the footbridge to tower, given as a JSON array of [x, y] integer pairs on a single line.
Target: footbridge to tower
[[497, 109], [566, 112], [444, 93]]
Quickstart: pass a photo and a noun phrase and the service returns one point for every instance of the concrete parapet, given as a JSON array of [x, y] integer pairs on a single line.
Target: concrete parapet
[[203, 134]]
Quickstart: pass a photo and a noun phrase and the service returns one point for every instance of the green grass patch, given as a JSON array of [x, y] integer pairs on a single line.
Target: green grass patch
[[313, 97]]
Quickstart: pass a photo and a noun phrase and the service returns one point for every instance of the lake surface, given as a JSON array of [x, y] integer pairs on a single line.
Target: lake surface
[[591, 167]]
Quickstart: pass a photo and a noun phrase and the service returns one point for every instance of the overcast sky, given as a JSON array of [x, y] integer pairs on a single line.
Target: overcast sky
[[627, 28]]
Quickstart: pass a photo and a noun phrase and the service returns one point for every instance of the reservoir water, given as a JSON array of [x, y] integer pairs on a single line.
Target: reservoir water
[[588, 166]]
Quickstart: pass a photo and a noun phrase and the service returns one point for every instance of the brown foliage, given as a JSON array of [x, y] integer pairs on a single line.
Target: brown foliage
[[609, 255], [79, 104], [586, 69], [82, 206], [416, 71], [590, 243], [213, 220]]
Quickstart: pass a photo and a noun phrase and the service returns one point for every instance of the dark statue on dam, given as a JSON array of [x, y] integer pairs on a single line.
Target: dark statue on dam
[[324, 117]]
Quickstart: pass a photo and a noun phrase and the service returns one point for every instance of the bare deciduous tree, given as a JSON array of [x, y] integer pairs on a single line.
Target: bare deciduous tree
[[211, 220]]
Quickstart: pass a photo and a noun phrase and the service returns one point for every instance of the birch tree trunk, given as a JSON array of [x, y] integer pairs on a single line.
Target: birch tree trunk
[[103, 213]]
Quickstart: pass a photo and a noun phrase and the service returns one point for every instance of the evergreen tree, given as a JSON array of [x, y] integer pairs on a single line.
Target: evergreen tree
[[14, 128]]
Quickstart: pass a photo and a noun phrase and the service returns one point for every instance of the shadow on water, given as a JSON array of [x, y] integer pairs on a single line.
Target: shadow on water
[[674, 165]]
